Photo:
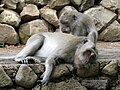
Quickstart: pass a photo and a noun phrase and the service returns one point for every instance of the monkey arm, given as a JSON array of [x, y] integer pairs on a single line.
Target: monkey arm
[[49, 65]]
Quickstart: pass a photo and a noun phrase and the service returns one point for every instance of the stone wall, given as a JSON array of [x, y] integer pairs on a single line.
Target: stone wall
[[102, 75], [19, 19]]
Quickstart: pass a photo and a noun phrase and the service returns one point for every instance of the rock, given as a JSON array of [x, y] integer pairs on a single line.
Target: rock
[[101, 17], [15, 88], [37, 2], [5, 80], [19, 88], [1, 9], [58, 4], [70, 84], [88, 70], [49, 15], [119, 18], [97, 2], [8, 34], [111, 5], [117, 87], [37, 68], [20, 5], [66, 9], [76, 2], [25, 77], [29, 12], [32, 27], [118, 11], [111, 68], [11, 69], [10, 17], [37, 87], [62, 70], [103, 62], [95, 84], [111, 33], [13, 4], [86, 4], [2, 5]]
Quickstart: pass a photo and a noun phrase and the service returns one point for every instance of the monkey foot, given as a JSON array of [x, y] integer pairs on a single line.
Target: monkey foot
[[43, 82], [26, 61]]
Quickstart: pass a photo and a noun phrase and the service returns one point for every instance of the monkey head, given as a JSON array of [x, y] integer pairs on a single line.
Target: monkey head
[[66, 21], [85, 53]]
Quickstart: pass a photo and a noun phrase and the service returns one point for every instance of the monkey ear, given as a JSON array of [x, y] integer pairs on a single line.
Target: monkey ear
[[74, 17]]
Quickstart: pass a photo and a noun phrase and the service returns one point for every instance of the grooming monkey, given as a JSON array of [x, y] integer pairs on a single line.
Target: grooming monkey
[[78, 24]]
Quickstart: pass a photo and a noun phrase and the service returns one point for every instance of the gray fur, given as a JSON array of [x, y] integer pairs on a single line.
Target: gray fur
[[78, 24], [56, 47]]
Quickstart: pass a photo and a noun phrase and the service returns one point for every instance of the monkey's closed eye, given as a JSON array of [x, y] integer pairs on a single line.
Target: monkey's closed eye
[[84, 41]]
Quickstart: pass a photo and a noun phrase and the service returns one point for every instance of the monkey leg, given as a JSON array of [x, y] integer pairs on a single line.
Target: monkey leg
[[33, 59], [32, 45]]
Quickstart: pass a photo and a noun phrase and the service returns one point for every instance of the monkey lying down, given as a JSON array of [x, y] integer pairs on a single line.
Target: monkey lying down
[[52, 48]]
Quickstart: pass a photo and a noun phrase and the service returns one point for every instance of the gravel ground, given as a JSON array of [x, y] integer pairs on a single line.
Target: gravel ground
[[108, 50], [10, 49]]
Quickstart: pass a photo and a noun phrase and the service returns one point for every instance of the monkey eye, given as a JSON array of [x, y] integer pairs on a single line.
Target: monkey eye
[[84, 41], [64, 21]]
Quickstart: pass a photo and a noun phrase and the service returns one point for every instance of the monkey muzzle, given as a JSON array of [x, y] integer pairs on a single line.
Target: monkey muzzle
[[67, 30], [88, 56]]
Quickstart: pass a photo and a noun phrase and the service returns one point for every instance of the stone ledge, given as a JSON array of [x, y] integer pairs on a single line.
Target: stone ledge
[[20, 75]]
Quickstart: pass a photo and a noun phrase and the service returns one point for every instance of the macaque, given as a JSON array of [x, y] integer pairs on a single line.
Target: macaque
[[54, 48], [78, 24]]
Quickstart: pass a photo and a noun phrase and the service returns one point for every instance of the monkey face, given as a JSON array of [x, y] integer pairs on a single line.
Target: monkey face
[[65, 28], [66, 21], [85, 53]]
